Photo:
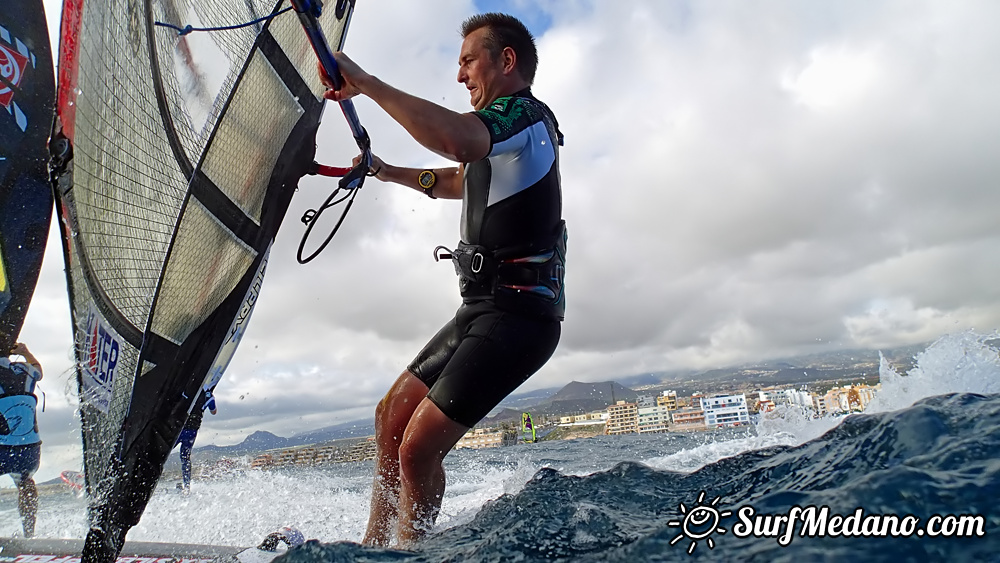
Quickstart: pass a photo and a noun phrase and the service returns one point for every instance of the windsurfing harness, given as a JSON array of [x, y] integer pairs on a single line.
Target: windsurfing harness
[[18, 425], [505, 275], [513, 247]]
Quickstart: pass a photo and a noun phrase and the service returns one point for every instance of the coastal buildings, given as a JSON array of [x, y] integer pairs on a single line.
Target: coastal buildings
[[667, 399], [688, 419], [649, 413], [653, 419], [478, 438], [623, 418], [316, 455], [849, 398], [588, 419], [797, 397], [723, 411]]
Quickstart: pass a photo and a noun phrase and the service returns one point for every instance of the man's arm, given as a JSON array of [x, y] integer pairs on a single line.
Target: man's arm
[[447, 184], [22, 350], [461, 137]]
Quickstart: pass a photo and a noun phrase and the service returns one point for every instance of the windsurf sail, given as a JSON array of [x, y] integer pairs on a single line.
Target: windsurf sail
[[27, 94], [527, 428], [175, 159]]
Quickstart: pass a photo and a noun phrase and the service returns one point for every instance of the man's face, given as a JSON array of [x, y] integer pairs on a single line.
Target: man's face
[[478, 71]]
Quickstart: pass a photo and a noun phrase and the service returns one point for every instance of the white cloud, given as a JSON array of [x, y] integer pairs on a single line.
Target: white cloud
[[833, 76]]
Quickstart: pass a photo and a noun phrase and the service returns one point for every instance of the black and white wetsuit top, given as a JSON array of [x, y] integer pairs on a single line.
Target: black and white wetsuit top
[[18, 426], [512, 206]]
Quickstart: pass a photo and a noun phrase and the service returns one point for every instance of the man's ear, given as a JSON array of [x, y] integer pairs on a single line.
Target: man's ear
[[509, 58]]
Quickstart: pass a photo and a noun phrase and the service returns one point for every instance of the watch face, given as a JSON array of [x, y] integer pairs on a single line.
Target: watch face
[[426, 179]]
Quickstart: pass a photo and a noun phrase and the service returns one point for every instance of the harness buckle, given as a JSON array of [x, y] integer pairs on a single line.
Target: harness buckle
[[477, 263], [447, 254]]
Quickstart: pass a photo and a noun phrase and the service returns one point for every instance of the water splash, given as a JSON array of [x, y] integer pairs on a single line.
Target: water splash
[[964, 362]]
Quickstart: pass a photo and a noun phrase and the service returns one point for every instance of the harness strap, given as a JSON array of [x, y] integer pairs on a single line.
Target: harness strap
[[481, 272]]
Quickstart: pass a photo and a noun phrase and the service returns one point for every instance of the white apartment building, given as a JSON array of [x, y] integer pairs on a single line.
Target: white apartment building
[[725, 410], [799, 398]]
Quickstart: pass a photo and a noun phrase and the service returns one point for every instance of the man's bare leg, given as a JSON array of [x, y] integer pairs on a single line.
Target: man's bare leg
[[27, 504], [391, 417], [429, 437]]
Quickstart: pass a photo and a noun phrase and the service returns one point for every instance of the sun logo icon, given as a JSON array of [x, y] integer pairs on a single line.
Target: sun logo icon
[[699, 523]]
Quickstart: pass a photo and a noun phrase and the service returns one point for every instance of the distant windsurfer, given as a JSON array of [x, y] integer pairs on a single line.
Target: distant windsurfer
[[20, 444], [190, 432], [510, 263]]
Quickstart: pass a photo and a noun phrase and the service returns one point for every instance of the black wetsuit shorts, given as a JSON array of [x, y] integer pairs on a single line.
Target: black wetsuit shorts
[[20, 460], [480, 357]]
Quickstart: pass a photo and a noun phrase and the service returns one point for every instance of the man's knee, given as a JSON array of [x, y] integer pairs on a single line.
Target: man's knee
[[416, 460], [393, 412]]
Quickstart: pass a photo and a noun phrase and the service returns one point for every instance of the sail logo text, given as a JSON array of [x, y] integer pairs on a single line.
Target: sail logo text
[[102, 354], [817, 522], [248, 304], [100, 362]]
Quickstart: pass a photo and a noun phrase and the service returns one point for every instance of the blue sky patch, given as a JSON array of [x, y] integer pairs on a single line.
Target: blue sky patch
[[536, 19]]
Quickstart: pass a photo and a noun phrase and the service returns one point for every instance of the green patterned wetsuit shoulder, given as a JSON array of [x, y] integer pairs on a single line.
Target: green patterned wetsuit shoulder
[[508, 116]]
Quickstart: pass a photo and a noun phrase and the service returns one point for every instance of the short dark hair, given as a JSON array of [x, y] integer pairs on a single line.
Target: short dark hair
[[506, 31]]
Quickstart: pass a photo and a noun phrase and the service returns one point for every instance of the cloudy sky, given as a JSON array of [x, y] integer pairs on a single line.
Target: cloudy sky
[[741, 181]]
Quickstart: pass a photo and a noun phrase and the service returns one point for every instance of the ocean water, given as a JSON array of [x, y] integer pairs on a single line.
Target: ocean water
[[924, 457]]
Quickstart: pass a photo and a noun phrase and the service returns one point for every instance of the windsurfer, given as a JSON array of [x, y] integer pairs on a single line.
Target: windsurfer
[[190, 432], [510, 263], [20, 444]]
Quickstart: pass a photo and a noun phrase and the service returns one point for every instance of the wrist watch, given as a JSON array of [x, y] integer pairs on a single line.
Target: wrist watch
[[427, 179]]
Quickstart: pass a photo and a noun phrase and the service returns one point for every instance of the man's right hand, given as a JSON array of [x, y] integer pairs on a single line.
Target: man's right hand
[[353, 76]]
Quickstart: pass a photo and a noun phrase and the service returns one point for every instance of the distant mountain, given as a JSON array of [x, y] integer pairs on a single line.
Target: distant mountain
[[355, 429], [505, 415], [577, 397], [262, 441], [521, 400], [257, 442], [642, 380]]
